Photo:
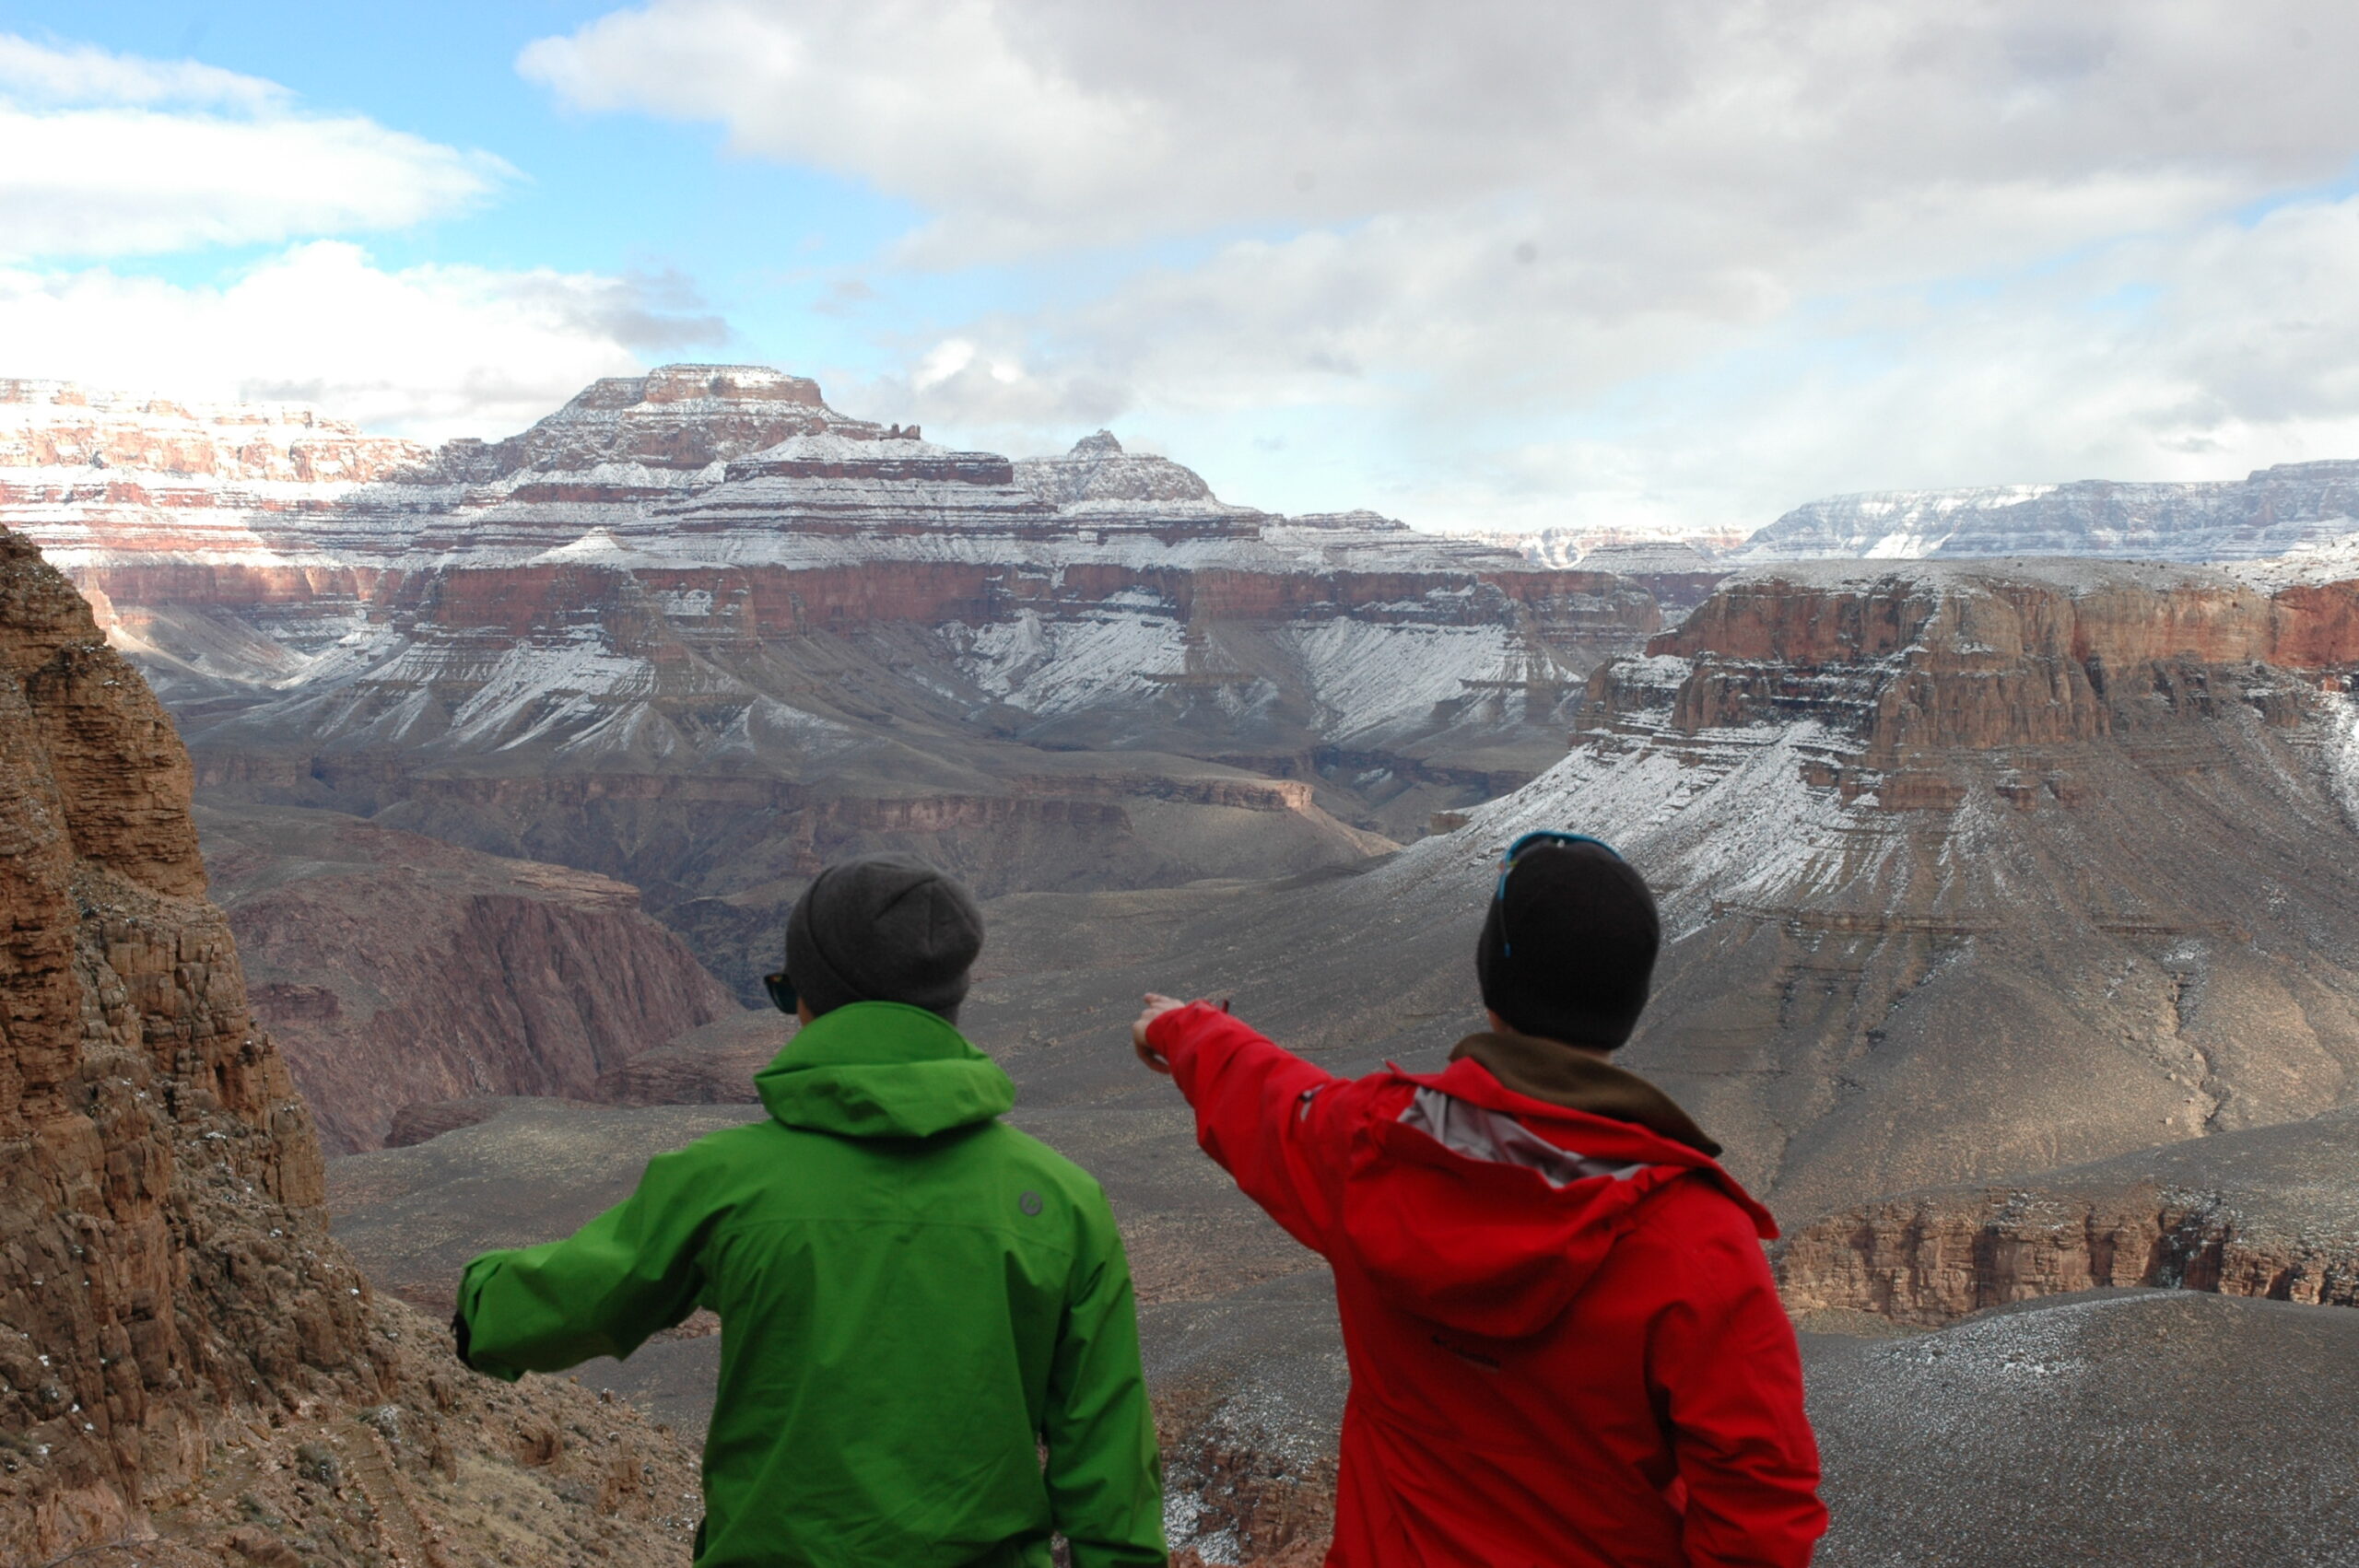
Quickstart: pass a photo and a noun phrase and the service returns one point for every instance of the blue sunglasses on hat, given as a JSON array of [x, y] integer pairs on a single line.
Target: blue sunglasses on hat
[[1539, 835]]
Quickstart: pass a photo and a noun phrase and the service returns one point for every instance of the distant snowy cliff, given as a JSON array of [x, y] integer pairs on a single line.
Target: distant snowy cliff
[[2266, 513]]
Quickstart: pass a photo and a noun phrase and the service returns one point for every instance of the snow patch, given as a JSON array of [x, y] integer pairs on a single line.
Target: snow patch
[[1366, 675]]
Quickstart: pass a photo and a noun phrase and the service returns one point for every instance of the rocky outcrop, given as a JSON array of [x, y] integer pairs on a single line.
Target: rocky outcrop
[[1099, 481], [2270, 1212], [394, 968], [681, 418], [131, 1290], [185, 1356], [1909, 665], [712, 1066]]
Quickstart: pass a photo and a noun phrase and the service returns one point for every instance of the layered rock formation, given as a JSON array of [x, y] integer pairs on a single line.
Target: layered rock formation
[[90, 474], [698, 631], [394, 968], [2270, 1212], [2269, 512], [1926, 926], [185, 1356]]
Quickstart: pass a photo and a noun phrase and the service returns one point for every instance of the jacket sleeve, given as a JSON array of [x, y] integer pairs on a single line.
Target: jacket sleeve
[[1105, 1475], [599, 1292], [1726, 1368], [1270, 1119]]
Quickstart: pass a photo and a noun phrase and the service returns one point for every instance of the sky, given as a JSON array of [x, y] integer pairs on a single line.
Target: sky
[[1654, 265]]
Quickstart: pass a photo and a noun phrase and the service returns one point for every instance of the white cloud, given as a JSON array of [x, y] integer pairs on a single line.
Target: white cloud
[[36, 73], [430, 352], [2198, 355], [1043, 122], [110, 155], [1539, 262], [1451, 383]]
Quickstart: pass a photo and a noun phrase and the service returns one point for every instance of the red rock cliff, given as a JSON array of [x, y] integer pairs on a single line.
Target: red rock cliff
[[186, 1357], [2266, 1212], [1932, 658], [160, 1178]]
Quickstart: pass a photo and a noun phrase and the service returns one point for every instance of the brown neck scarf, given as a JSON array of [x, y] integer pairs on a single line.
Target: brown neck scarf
[[1542, 1070]]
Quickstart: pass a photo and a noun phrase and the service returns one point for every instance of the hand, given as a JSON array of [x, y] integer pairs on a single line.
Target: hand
[[1156, 1006]]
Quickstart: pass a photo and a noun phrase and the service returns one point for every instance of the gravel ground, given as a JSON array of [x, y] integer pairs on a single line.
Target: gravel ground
[[2119, 1427]]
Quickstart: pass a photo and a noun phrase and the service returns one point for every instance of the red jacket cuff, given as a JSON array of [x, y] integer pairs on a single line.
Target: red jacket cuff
[[1176, 1034]]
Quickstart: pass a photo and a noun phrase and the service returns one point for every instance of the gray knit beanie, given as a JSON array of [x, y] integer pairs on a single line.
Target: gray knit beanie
[[889, 927]]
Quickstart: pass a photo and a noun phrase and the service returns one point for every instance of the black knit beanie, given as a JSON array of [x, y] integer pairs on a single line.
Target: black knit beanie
[[1570, 946], [886, 928]]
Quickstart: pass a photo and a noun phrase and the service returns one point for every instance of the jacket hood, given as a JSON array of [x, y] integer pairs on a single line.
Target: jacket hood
[[1563, 1075], [882, 1070], [1488, 1211]]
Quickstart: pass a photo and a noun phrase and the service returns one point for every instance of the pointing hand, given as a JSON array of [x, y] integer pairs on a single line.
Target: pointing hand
[[1156, 1006]]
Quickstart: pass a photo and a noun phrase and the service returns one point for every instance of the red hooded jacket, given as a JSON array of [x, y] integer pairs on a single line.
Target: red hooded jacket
[[1567, 1349]]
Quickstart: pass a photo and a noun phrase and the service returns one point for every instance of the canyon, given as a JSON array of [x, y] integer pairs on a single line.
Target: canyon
[[700, 632], [2025, 891], [2009, 903], [1966, 870]]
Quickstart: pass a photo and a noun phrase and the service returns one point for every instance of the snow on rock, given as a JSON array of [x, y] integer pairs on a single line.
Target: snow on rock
[[2267, 513], [1064, 666], [1370, 677], [2343, 755], [1098, 475], [2317, 562], [1607, 549], [597, 547]]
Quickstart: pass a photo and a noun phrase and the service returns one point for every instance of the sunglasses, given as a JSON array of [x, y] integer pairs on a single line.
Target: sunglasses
[[782, 990], [1544, 835]]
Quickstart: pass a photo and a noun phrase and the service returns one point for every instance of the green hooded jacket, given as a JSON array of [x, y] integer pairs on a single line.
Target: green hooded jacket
[[914, 1298]]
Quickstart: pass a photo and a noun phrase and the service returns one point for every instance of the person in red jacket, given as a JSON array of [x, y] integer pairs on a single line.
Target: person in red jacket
[[1567, 1349]]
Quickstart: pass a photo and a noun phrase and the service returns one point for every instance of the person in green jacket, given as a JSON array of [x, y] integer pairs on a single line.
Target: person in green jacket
[[916, 1299]]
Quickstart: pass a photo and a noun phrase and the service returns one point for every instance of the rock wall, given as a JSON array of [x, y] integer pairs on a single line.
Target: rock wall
[[155, 1143], [1933, 1260], [1912, 662], [184, 1352], [706, 574], [394, 968], [2270, 1212]]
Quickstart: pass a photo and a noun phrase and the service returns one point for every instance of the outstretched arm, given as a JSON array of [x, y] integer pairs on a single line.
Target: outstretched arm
[[1105, 1478], [1267, 1116], [599, 1292]]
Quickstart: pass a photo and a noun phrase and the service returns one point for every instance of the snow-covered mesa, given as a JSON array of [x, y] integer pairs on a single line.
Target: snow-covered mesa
[[712, 465]]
